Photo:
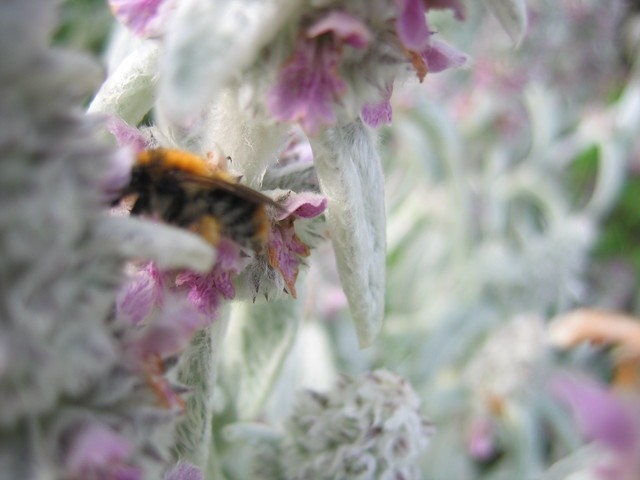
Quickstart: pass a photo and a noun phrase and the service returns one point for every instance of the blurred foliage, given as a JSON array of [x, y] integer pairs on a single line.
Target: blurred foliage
[[620, 234], [84, 25]]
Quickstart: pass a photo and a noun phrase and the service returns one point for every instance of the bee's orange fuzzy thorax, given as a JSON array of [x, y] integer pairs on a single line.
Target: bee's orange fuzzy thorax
[[178, 159]]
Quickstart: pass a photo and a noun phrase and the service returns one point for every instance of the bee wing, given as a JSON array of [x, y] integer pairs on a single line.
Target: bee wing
[[237, 189]]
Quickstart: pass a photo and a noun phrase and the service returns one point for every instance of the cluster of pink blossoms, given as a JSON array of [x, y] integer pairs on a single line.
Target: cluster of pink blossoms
[[346, 56]]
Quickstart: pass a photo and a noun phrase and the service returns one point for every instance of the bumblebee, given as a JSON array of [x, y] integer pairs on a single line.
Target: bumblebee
[[182, 189]]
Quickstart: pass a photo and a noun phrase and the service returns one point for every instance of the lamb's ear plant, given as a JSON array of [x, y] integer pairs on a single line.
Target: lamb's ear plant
[[134, 349]]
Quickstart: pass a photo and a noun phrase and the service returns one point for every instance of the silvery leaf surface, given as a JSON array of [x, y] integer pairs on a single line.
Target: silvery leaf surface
[[512, 15], [168, 246], [350, 175], [129, 92], [260, 337], [209, 43]]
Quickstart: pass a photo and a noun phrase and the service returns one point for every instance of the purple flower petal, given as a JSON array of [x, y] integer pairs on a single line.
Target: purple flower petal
[[285, 252], [138, 297], [600, 415], [126, 135], [440, 56], [184, 471], [411, 24], [345, 27], [141, 16], [118, 174], [305, 205], [169, 332], [206, 291], [307, 86], [458, 8], [376, 114], [98, 452]]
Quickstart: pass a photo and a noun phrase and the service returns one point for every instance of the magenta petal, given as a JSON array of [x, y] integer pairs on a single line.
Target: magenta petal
[[376, 114], [346, 27], [137, 298], [440, 56], [307, 87], [305, 205], [411, 24], [126, 135], [206, 291], [125, 472], [458, 8], [184, 471], [99, 452], [117, 174], [285, 252], [170, 332], [600, 415], [138, 15]]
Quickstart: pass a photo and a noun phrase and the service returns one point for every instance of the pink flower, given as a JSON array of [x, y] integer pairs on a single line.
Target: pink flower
[[141, 16], [343, 26], [601, 415], [206, 291], [439, 56], [411, 24], [99, 453], [139, 296], [284, 249], [307, 87], [309, 84], [168, 332], [606, 418], [426, 55], [303, 205], [380, 113], [126, 135]]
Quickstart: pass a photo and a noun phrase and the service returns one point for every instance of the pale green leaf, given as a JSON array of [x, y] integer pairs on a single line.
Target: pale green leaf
[[350, 175], [260, 337]]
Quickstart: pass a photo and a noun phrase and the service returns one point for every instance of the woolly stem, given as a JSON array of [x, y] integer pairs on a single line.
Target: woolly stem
[[198, 370]]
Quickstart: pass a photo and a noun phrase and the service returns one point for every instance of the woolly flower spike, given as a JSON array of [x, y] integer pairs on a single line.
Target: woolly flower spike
[[309, 84], [277, 269], [369, 427], [56, 274], [508, 360]]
